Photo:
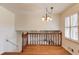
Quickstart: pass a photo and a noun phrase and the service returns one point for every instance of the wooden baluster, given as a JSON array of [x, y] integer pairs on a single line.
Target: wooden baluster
[[29, 39], [58, 39], [54, 38], [35, 39], [61, 38], [48, 38], [51, 38], [38, 38], [32, 37], [44, 39]]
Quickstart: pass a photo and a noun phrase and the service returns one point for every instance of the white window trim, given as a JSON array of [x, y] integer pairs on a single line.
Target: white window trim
[[70, 29]]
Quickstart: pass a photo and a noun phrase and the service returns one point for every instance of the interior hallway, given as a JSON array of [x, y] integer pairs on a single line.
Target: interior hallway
[[16, 18]]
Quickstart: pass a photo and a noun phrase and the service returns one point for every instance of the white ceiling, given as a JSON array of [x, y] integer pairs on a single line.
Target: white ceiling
[[35, 7]]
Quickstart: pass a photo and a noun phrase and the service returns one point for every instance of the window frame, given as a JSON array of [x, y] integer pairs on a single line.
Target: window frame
[[72, 27]]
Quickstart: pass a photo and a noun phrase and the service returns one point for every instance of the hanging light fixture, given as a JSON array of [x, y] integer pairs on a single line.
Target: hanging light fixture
[[47, 16]]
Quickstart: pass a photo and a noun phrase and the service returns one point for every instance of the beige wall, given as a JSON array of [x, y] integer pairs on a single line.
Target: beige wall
[[33, 22], [7, 30], [68, 44]]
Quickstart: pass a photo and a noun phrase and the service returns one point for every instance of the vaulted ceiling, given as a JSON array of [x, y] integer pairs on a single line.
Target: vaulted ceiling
[[32, 8]]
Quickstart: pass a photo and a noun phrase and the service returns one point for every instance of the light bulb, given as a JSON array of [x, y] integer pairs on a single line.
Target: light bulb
[[43, 19], [50, 19]]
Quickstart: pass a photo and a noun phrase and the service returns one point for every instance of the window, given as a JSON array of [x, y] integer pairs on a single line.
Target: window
[[67, 27], [71, 27]]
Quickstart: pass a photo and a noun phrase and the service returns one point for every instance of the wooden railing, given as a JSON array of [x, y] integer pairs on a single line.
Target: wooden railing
[[45, 38]]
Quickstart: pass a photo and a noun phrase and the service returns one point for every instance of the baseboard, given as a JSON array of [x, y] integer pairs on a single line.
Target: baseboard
[[1, 53], [67, 50], [11, 53]]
